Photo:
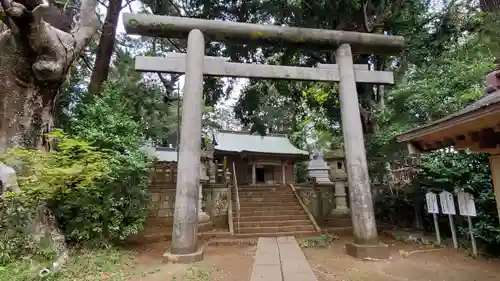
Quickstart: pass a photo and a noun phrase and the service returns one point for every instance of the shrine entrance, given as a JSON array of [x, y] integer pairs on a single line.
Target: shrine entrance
[[260, 174]]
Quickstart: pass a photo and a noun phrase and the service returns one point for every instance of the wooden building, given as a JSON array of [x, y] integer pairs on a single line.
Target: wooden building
[[476, 127], [258, 159]]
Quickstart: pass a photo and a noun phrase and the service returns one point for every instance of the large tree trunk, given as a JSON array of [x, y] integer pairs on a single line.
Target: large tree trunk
[[35, 58], [489, 5], [106, 47]]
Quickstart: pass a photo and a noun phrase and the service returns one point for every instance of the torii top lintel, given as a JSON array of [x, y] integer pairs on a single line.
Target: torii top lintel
[[216, 30]]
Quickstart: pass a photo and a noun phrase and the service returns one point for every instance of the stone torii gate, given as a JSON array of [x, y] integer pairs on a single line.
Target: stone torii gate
[[194, 64]]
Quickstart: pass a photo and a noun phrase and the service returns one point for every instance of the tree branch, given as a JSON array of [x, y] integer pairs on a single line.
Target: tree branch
[[182, 50], [6, 24], [177, 8], [86, 27]]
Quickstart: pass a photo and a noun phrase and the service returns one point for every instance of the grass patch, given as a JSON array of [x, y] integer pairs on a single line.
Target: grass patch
[[195, 273], [96, 265], [321, 241]]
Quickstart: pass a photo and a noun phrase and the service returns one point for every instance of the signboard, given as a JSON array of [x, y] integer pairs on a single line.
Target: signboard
[[466, 204], [447, 203], [432, 203]]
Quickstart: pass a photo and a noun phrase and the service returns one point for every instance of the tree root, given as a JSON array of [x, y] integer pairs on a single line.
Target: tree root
[[406, 254], [44, 223], [46, 226]]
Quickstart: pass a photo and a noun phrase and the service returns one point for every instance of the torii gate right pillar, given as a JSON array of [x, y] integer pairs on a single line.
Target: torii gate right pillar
[[365, 242]]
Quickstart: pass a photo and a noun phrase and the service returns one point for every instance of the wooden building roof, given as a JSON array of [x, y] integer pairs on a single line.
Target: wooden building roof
[[476, 127], [243, 142]]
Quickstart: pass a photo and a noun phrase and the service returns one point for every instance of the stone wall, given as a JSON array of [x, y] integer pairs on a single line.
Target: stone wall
[[161, 201], [215, 204], [162, 197], [320, 201]]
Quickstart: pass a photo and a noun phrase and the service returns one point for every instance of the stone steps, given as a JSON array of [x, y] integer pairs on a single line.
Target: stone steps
[[261, 213], [277, 229], [271, 223], [274, 218], [263, 194], [266, 204], [277, 234], [256, 189], [267, 198], [270, 208], [270, 211]]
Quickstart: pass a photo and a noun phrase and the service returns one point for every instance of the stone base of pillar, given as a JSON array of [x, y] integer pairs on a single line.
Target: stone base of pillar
[[185, 258], [204, 222], [378, 251]]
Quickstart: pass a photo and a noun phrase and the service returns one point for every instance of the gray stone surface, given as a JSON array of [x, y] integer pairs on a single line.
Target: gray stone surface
[[280, 259], [215, 67], [363, 217], [318, 168], [368, 252], [268, 34], [185, 228], [193, 257]]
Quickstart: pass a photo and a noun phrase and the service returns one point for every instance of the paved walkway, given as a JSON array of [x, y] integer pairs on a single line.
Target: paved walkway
[[280, 259]]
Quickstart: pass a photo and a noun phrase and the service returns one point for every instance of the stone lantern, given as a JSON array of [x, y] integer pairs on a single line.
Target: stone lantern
[[204, 222], [317, 168], [338, 175]]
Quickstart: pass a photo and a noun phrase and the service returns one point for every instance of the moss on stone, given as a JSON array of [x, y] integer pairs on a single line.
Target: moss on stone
[[297, 39], [133, 22], [257, 35]]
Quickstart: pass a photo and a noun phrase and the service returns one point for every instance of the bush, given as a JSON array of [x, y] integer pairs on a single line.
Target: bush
[[116, 208], [449, 171], [469, 172], [109, 211], [396, 209], [46, 179], [93, 181]]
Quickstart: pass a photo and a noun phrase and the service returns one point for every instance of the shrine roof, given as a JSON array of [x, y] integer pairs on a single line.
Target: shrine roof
[[163, 154], [468, 117], [232, 141]]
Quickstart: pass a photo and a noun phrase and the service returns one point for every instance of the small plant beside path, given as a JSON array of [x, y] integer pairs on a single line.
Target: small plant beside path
[[321, 241]]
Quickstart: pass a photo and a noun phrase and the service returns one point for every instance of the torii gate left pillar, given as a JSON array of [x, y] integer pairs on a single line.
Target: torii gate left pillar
[[185, 228]]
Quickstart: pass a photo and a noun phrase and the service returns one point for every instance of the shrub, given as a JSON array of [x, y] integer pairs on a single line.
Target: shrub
[[115, 208], [470, 172], [449, 171], [46, 179]]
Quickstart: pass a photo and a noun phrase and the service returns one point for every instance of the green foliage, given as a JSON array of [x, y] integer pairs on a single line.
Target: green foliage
[[114, 209], [449, 171], [98, 264], [196, 273], [94, 182], [321, 241], [16, 232], [108, 121], [47, 178], [45, 175], [397, 209], [469, 172]]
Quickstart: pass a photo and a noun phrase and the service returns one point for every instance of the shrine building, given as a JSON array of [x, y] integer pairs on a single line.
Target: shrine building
[[258, 159], [475, 127]]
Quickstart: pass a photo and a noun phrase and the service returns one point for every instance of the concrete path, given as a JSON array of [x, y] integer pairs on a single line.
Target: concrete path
[[280, 259]]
